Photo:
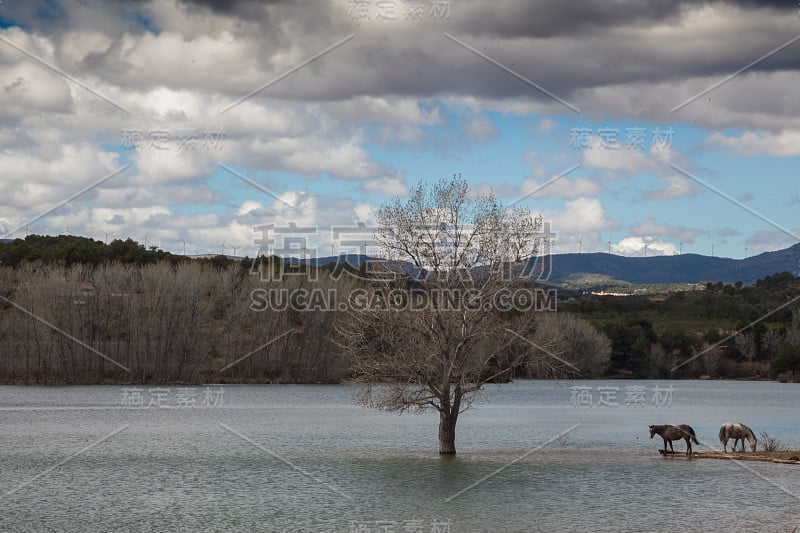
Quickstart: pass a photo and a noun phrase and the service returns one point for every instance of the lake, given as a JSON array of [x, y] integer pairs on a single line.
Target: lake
[[533, 456]]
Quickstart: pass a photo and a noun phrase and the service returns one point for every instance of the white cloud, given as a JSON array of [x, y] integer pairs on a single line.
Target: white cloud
[[616, 162], [650, 228], [385, 186], [34, 181], [676, 187], [580, 219], [365, 213], [770, 241], [172, 166], [785, 143], [315, 155], [26, 87], [248, 207], [480, 128], [580, 215], [385, 110], [636, 246]]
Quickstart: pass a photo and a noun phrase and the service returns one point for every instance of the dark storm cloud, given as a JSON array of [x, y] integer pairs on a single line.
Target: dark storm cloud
[[773, 4], [636, 58], [542, 18], [232, 6], [243, 9], [552, 17]]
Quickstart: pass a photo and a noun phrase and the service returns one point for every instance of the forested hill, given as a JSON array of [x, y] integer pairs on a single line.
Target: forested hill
[[70, 249], [685, 268]]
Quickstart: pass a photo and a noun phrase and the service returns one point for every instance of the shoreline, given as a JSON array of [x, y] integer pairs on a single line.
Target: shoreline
[[111, 382], [790, 457]]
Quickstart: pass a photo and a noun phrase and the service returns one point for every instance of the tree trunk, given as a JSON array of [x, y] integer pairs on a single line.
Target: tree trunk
[[447, 433]]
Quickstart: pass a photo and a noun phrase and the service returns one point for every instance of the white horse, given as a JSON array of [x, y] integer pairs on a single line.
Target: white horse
[[737, 432]]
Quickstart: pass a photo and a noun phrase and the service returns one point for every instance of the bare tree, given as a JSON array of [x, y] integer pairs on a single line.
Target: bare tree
[[792, 335], [575, 340], [747, 348], [746, 345], [772, 342], [710, 359], [661, 361], [441, 320]]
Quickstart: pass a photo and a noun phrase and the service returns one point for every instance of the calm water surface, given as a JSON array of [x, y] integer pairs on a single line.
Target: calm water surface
[[306, 458]]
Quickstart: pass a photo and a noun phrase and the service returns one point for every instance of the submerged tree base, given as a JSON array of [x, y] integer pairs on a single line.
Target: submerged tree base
[[447, 434]]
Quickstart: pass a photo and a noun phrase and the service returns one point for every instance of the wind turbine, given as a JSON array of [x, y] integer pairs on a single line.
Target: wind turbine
[[66, 231], [184, 247], [107, 233], [145, 240], [645, 249], [222, 248], [580, 245], [609, 246]]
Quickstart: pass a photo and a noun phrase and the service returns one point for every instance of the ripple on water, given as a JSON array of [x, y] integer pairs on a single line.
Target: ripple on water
[[324, 464]]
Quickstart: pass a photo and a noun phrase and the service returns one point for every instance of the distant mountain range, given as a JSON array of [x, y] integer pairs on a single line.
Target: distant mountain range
[[606, 269], [685, 268], [609, 271]]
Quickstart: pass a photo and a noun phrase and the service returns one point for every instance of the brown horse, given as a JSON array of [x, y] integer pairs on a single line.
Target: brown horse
[[670, 433]]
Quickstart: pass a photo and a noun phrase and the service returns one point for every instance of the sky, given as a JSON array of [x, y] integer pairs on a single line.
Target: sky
[[645, 127]]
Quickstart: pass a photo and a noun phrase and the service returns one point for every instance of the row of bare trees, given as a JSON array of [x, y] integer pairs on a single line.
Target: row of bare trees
[[755, 352], [157, 323], [771, 342], [193, 322]]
